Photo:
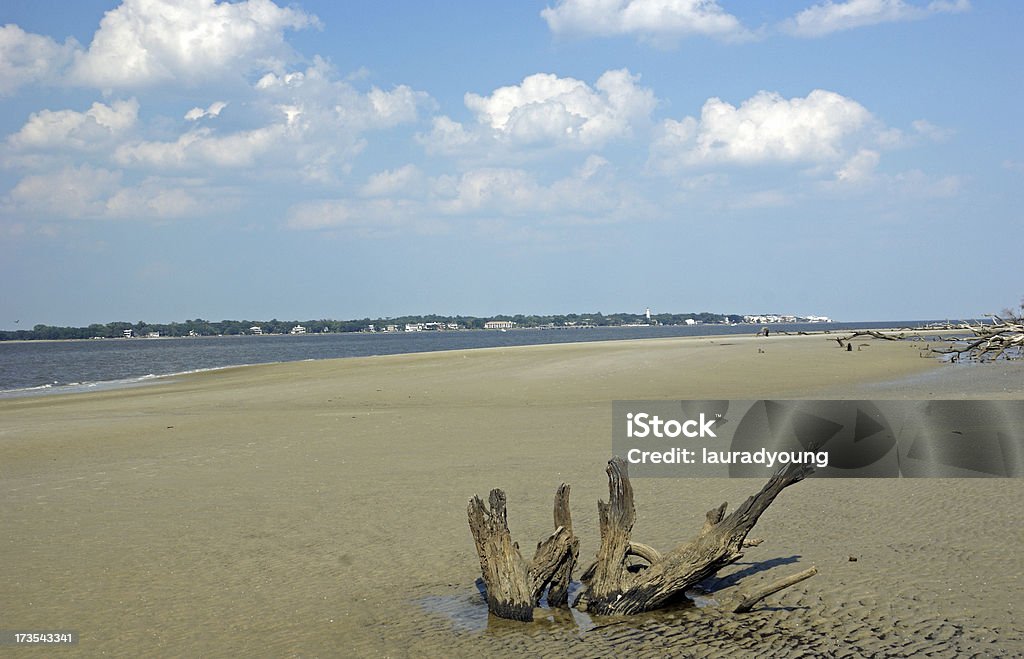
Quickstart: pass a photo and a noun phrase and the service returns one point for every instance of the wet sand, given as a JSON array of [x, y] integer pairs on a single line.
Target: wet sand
[[318, 508]]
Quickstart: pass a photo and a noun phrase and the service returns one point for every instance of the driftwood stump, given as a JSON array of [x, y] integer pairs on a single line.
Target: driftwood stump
[[610, 585], [612, 589], [515, 587]]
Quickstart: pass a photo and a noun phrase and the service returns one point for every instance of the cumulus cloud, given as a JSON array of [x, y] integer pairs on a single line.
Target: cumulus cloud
[[27, 58], [49, 129], [658, 19], [548, 110], [143, 42], [826, 18], [315, 95], [512, 190], [312, 126], [214, 110], [764, 128], [448, 136]]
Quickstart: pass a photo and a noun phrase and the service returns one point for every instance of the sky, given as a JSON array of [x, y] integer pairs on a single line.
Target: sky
[[168, 160]]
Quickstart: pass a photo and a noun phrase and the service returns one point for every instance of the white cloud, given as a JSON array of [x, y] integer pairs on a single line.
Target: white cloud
[[548, 110], [401, 182], [826, 18], [336, 104], [153, 201], [143, 42], [71, 192], [764, 128], [27, 58], [201, 147], [860, 168], [512, 190], [448, 137], [405, 198], [657, 19], [315, 128], [49, 129], [87, 192], [214, 110]]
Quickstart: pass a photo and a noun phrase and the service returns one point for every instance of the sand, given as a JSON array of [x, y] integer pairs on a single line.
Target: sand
[[318, 508]]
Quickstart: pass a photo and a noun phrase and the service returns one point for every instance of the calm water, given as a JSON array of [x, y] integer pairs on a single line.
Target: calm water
[[39, 367]]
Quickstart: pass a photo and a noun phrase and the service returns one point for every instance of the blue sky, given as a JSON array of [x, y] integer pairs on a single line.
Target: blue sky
[[170, 160]]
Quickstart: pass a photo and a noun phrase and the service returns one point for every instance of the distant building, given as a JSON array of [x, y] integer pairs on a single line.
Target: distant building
[[153, 335], [691, 321], [256, 329], [784, 318], [499, 324], [298, 329], [647, 314], [129, 333]]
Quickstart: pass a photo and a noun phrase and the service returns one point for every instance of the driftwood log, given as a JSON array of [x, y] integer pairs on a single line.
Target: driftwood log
[[1000, 338], [845, 340], [515, 587], [611, 585]]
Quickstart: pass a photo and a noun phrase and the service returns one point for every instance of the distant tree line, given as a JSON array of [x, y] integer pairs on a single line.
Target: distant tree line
[[200, 327]]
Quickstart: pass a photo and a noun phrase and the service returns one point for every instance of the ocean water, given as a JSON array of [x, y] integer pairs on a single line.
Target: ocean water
[[42, 367]]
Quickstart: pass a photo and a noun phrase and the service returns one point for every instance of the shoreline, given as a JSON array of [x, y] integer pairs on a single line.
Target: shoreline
[[88, 386], [318, 508]]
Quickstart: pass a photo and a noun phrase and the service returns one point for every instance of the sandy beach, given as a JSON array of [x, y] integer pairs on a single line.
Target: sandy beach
[[318, 508]]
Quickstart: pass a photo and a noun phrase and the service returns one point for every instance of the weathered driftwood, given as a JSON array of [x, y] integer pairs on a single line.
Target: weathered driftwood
[[612, 584], [611, 587], [751, 599], [990, 342], [558, 593], [844, 340], [515, 587]]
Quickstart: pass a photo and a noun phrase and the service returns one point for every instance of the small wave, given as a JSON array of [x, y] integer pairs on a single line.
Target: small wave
[[76, 387]]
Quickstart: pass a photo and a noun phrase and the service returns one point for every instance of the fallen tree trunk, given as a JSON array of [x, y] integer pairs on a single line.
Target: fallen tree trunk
[[611, 588], [999, 339], [515, 587], [843, 340]]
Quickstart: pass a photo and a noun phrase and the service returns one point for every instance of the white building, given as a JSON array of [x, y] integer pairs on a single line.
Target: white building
[[298, 329], [256, 329], [499, 324]]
